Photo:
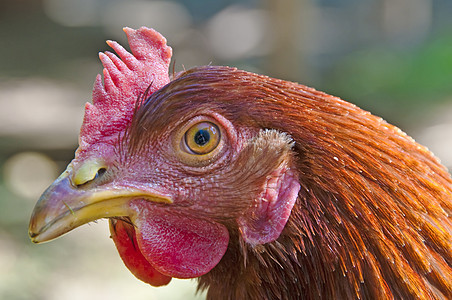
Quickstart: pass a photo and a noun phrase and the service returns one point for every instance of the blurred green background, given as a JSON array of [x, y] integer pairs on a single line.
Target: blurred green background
[[392, 57]]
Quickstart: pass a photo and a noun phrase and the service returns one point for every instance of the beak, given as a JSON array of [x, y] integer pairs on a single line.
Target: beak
[[65, 206]]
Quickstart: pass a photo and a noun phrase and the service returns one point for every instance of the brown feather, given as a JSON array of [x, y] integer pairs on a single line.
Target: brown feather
[[372, 219]]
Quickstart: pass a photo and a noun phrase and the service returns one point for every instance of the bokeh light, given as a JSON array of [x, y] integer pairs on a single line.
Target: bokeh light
[[167, 17], [29, 173], [47, 113], [238, 32], [72, 12]]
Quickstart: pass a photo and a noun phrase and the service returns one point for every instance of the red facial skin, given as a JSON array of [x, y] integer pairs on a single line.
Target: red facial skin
[[167, 241], [308, 196]]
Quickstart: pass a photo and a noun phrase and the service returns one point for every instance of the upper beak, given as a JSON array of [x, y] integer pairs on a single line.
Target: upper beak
[[65, 206]]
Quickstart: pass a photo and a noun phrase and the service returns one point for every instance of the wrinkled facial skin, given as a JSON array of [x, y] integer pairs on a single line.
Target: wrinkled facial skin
[[161, 181], [175, 173], [181, 187], [191, 181]]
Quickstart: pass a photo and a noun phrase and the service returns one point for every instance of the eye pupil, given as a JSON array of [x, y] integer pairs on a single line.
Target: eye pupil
[[202, 137]]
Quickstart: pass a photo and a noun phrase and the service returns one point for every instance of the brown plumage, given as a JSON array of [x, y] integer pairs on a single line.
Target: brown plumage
[[259, 187], [372, 219]]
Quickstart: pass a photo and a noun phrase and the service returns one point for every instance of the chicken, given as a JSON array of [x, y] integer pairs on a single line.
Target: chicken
[[259, 187]]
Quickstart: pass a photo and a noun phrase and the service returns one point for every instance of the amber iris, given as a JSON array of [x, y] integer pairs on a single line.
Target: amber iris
[[202, 138]]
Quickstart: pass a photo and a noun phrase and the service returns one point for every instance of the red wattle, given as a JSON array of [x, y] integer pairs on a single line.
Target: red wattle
[[123, 234], [178, 245]]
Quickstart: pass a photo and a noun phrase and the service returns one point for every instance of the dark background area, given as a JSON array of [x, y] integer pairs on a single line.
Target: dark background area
[[392, 57]]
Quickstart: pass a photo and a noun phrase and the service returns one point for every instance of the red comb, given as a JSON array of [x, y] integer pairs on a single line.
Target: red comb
[[126, 78]]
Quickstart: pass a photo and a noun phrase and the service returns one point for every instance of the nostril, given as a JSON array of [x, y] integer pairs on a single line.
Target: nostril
[[88, 172], [100, 172], [96, 176]]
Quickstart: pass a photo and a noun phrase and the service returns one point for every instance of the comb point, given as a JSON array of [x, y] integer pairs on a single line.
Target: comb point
[[125, 78]]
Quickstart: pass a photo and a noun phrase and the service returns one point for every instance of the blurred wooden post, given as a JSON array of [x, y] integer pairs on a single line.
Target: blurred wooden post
[[289, 22]]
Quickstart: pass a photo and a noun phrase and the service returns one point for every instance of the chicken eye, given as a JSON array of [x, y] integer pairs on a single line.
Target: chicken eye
[[202, 138]]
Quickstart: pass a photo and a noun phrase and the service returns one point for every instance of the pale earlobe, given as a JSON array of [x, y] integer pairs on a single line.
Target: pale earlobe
[[264, 222]]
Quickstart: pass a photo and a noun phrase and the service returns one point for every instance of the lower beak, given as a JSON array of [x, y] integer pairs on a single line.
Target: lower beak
[[63, 207]]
